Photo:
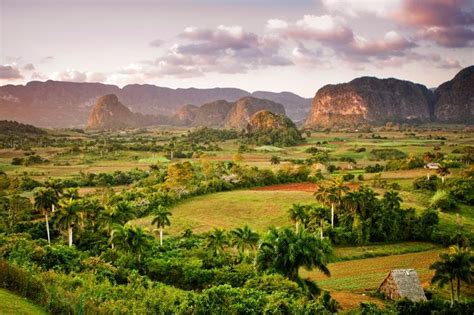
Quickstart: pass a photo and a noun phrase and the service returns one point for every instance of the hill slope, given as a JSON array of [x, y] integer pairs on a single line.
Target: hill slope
[[455, 98], [370, 100]]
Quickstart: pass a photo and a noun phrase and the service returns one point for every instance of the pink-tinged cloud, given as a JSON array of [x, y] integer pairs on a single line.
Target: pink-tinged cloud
[[448, 23], [453, 37], [225, 49], [10, 72], [324, 28], [435, 13]]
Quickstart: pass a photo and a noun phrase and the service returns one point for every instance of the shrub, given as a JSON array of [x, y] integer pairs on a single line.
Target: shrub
[[444, 201]]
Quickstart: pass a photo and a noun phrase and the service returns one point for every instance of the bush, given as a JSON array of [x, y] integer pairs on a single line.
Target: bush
[[444, 201]]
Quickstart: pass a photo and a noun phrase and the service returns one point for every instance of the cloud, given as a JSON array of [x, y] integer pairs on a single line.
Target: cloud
[[448, 23], [452, 37], [72, 75], [10, 72], [333, 33], [324, 28], [224, 49], [357, 8], [29, 67], [157, 43]]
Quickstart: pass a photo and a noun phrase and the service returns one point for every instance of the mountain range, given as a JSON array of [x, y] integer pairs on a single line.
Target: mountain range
[[68, 104], [364, 100]]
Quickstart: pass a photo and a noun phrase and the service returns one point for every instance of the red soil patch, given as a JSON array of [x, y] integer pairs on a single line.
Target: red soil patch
[[308, 187]]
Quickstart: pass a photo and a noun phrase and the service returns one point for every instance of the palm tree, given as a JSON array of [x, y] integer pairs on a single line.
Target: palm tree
[[443, 171], [71, 193], [297, 214], [161, 220], [244, 239], [328, 196], [392, 200], [68, 216], [285, 252], [130, 238], [216, 240], [454, 266], [45, 199], [319, 214], [119, 214], [56, 186]]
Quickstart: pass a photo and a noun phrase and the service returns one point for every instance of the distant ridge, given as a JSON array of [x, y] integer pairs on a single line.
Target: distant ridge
[[67, 104]]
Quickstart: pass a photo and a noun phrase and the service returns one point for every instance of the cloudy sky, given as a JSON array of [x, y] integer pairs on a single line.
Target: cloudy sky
[[279, 45]]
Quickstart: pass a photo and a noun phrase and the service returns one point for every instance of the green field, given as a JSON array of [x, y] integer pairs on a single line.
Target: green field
[[12, 304], [228, 210]]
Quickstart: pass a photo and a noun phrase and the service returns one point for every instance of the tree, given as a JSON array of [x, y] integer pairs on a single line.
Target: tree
[[284, 251], [119, 214], [297, 214], [319, 215], [161, 220], [443, 171], [130, 238], [454, 266], [68, 216], [216, 240], [244, 239], [328, 196], [275, 160], [45, 199], [57, 187]]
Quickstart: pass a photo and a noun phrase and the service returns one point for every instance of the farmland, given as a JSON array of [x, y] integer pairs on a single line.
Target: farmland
[[208, 192]]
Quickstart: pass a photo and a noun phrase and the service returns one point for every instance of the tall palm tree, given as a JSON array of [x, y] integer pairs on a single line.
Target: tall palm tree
[[297, 214], [68, 216], [161, 220], [57, 187], [285, 252], [456, 266], [328, 196], [216, 240], [120, 213], [319, 214], [244, 239], [45, 199]]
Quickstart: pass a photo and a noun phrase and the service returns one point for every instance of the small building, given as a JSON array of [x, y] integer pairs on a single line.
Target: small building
[[432, 166], [402, 283]]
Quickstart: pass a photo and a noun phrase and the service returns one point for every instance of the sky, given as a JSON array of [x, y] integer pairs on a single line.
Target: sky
[[280, 45]]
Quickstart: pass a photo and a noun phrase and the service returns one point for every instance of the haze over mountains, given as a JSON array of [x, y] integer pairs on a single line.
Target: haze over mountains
[[362, 100], [67, 104]]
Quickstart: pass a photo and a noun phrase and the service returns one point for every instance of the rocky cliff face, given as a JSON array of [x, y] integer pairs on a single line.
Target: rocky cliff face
[[185, 115], [370, 100], [239, 115], [265, 120], [212, 114], [455, 98], [109, 114]]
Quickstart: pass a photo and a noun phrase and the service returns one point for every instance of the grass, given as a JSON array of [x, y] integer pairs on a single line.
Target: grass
[[228, 210], [13, 304], [379, 250]]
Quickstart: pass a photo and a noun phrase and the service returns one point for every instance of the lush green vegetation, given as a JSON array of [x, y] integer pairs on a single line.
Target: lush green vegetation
[[211, 221]]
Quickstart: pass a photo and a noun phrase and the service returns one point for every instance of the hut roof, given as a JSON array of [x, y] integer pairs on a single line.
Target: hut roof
[[407, 284]]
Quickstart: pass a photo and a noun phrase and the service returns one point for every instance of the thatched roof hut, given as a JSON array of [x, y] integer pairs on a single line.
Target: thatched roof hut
[[402, 283]]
